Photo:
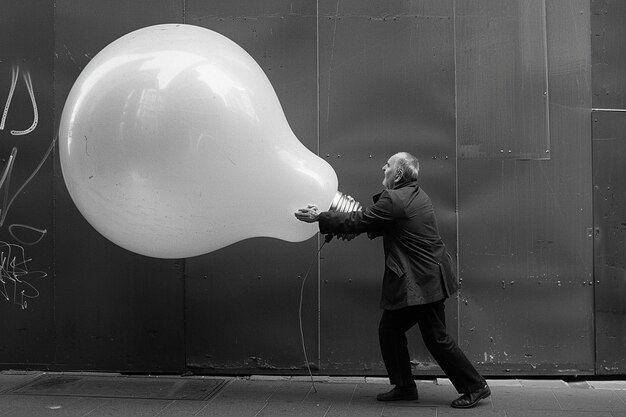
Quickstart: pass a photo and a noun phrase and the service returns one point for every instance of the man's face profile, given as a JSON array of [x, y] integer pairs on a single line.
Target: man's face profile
[[390, 172]]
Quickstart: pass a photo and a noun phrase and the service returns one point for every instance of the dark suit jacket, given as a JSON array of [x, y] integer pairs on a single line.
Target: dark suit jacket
[[418, 269]]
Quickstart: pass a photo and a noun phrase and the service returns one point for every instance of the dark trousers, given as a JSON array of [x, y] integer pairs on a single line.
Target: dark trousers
[[431, 319]]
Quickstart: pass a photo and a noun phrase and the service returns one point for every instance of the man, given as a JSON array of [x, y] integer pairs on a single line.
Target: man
[[418, 278]]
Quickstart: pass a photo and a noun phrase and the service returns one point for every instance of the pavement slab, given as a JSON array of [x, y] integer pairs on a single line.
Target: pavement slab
[[479, 411], [301, 409], [611, 385], [518, 399], [553, 413], [10, 382], [590, 400], [543, 383], [399, 410], [331, 394], [246, 390]]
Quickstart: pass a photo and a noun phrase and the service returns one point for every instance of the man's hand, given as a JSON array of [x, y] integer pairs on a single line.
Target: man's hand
[[310, 214]]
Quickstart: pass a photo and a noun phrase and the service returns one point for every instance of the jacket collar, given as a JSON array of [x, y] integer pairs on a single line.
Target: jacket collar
[[405, 183], [399, 185]]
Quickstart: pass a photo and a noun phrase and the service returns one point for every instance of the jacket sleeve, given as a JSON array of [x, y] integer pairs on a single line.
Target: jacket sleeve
[[371, 219]]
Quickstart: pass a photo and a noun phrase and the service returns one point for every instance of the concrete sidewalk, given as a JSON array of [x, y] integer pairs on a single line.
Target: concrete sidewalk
[[90, 394]]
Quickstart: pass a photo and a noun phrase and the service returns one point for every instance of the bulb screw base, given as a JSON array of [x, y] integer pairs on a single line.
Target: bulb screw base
[[344, 203]]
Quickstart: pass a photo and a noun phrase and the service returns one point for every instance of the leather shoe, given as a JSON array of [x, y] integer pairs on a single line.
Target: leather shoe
[[399, 394], [471, 399]]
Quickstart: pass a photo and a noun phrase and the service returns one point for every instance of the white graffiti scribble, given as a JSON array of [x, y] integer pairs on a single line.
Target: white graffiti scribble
[[33, 230], [31, 92], [5, 180], [14, 74], [16, 281], [15, 277]]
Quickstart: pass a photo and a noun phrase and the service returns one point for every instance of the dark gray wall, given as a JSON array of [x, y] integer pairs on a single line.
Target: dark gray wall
[[525, 252], [27, 297], [609, 192], [608, 35], [503, 128]]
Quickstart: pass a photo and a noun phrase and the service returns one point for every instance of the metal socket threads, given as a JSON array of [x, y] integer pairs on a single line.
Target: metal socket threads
[[344, 203]]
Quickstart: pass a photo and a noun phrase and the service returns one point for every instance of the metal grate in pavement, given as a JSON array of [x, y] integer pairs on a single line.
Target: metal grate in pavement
[[145, 387]]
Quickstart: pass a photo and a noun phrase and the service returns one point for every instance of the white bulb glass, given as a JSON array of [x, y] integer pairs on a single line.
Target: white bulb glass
[[173, 144]]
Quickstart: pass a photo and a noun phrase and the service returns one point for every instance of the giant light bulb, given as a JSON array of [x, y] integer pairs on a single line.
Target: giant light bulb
[[173, 144]]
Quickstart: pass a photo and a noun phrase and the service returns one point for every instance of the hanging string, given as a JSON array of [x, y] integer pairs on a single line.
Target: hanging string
[[315, 258], [306, 359]]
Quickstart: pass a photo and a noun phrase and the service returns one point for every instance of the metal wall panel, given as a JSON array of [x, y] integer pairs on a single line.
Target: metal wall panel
[[502, 80], [386, 85], [242, 301], [114, 310], [609, 147], [608, 35], [26, 222], [609, 190], [525, 250]]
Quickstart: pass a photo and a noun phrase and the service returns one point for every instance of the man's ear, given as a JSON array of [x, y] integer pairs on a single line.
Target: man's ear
[[399, 174]]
